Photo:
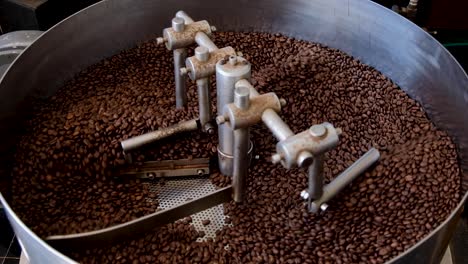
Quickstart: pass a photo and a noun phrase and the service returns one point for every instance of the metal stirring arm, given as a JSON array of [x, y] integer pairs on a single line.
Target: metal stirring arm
[[317, 196], [148, 138], [139, 226], [305, 149]]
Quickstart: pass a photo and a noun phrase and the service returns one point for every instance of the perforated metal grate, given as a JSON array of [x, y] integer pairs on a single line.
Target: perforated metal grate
[[176, 191]]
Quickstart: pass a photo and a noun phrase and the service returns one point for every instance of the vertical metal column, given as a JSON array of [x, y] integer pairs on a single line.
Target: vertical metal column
[[316, 179], [180, 80], [203, 88], [228, 72], [204, 105], [241, 147], [178, 24]]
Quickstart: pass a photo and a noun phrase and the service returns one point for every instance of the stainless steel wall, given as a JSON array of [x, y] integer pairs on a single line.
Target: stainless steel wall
[[375, 35]]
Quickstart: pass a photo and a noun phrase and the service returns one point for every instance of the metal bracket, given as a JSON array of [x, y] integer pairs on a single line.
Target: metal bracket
[[169, 168]]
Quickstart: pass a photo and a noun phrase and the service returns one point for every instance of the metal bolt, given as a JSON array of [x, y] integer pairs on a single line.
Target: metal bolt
[[318, 130], [200, 172], [233, 60], [282, 101], [202, 54], [213, 28], [178, 24], [150, 176], [241, 97], [257, 157], [184, 71], [324, 207], [220, 120], [275, 158], [305, 159], [304, 195], [209, 128], [161, 41]]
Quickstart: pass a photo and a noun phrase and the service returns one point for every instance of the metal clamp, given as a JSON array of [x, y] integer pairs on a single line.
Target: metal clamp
[[197, 68], [301, 148], [182, 35], [244, 117]]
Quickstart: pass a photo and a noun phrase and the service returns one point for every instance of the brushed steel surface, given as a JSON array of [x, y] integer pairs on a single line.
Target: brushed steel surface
[[376, 36]]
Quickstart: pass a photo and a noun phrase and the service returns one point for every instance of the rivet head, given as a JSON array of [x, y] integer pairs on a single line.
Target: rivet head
[[318, 130]]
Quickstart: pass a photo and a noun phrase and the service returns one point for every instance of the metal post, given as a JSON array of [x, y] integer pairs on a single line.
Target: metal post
[[184, 16], [227, 74], [316, 178], [180, 80], [178, 24], [204, 106], [241, 147], [345, 178]]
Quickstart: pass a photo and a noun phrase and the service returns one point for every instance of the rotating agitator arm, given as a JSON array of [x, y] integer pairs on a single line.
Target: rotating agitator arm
[[305, 149]]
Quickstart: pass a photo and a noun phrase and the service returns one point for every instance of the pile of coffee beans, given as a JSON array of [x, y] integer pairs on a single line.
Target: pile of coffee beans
[[66, 162]]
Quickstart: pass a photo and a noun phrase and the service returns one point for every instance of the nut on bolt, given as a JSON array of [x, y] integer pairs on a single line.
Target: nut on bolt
[[324, 207], [161, 41], [316, 208], [221, 120], [208, 128], [233, 60], [151, 176], [276, 158], [304, 195], [184, 71]]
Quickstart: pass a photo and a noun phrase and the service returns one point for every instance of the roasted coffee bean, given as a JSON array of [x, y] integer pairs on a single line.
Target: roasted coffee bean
[[206, 222], [66, 161]]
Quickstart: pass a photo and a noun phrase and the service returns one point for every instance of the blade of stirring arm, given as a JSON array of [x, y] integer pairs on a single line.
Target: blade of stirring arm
[[138, 226]]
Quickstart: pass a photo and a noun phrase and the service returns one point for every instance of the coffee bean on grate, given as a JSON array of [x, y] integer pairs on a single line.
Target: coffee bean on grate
[[63, 177]]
